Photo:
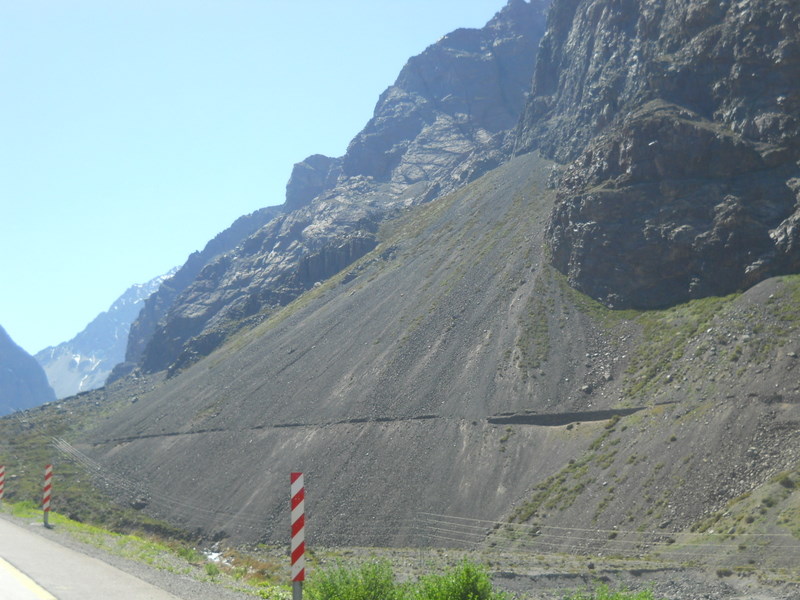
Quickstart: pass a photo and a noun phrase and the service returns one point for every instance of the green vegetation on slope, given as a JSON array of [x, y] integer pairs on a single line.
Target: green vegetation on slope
[[697, 367], [243, 573], [715, 335], [26, 446]]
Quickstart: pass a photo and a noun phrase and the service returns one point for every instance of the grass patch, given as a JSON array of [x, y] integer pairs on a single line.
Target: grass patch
[[258, 578], [26, 446], [534, 341], [665, 338], [604, 592]]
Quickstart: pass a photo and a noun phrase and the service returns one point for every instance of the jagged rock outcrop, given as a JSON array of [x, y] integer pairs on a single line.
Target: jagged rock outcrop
[[448, 118], [158, 303], [23, 383], [84, 362], [681, 119], [309, 179], [451, 99]]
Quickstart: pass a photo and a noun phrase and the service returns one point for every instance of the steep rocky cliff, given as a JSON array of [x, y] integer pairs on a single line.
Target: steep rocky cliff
[[23, 383], [680, 118], [448, 118]]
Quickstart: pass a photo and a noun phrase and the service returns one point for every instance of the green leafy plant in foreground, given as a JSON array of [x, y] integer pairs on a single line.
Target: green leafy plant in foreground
[[373, 581], [603, 592], [465, 582], [376, 581]]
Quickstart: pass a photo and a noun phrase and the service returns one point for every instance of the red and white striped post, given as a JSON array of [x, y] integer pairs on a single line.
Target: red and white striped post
[[2, 480], [46, 494], [298, 536]]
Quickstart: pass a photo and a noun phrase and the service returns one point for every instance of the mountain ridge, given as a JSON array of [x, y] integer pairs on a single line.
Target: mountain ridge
[[23, 383], [452, 317], [433, 130]]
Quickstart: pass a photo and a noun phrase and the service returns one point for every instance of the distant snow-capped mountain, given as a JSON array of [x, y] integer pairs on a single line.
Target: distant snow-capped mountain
[[84, 362]]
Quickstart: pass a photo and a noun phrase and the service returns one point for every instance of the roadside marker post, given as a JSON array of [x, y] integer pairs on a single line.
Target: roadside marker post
[[46, 494], [2, 480], [298, 546]]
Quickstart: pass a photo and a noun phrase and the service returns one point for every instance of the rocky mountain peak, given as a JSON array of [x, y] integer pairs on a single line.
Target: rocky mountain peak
[[460, 91], [455, 343], [448, 118]]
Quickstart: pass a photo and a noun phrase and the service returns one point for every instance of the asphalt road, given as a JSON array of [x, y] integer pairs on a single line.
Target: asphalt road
[[35, 568]]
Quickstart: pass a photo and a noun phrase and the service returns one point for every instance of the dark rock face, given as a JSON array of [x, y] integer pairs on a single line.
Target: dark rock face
[[448, 118], [670, 207], [731, 62], [681, 119], [23, 383]]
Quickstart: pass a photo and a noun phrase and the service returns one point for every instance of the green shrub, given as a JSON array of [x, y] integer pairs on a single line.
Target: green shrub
[[372, 581], [376, 581], [465, 582]]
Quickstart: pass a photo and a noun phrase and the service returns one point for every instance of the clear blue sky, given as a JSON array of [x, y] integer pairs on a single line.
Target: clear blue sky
[[133, 131]]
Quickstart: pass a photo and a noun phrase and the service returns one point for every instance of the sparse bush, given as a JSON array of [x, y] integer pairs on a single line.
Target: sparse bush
[[605, 593]]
